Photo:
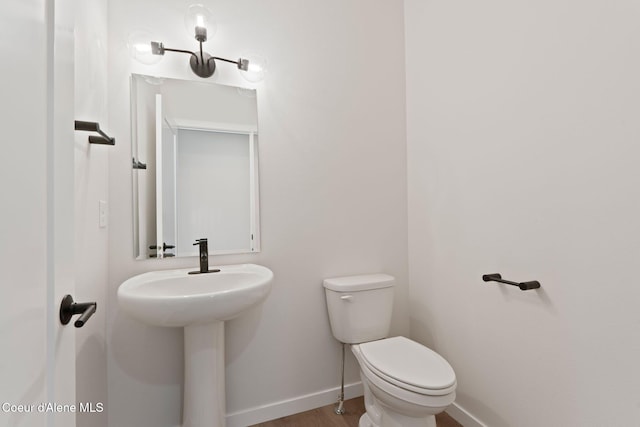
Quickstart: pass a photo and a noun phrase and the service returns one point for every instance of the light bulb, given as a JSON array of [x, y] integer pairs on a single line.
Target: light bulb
[[142, 47], [257, 68], [199, 16], [254, 68], [200, 21]]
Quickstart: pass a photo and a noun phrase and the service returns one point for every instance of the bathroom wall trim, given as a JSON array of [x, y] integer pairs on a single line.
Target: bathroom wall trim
[[463, 416], [296, 405]]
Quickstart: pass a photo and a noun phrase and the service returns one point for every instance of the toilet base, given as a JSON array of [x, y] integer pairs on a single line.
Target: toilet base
[[394, 419], [397, 420], [365, 421]]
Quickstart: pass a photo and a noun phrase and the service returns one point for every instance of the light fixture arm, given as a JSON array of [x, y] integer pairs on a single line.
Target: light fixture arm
[[242, 64], [157, 48], [180, 51], [203, 65]]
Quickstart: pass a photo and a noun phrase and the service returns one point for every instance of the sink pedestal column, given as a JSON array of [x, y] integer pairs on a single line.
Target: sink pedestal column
[[204, 388]]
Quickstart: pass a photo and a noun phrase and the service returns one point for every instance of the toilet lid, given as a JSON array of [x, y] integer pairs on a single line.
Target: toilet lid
[[402, 361]]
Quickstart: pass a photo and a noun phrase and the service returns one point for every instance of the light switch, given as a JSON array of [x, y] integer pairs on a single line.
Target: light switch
[[102, 213]]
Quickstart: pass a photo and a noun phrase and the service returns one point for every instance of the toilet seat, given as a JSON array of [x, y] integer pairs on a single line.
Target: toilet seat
[[409, 365]]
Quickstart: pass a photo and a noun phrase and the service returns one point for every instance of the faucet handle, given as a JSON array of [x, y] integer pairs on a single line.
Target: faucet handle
[[199, 241]]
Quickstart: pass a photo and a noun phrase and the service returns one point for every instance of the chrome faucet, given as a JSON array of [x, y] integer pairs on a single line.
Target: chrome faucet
[[204, 257]]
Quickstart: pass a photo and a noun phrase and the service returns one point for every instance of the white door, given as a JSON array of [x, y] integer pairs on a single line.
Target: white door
[[37, 363]]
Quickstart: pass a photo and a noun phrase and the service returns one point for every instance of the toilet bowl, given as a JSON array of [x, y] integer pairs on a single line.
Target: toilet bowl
[[405, 383], [411, 385]]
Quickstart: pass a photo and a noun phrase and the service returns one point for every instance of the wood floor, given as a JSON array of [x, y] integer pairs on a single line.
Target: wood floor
[[324, 417]]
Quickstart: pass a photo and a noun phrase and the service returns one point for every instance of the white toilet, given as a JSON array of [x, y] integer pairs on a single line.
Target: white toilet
[[405, 383]]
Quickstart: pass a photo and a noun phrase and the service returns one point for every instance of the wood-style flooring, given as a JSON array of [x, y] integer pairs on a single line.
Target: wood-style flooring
[[324, 417]]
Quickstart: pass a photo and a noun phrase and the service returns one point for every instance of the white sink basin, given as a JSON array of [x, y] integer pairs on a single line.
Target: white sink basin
[[176, 298], [200, 303]]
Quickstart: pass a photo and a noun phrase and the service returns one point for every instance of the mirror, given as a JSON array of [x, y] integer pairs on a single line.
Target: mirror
[[195, 167]]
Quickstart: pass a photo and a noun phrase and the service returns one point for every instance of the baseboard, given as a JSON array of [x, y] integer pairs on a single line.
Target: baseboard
[[296, 405], [463, 416], [307, 402]]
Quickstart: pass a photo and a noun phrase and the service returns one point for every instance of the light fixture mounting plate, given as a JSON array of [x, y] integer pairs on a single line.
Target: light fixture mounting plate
[[204, 66]]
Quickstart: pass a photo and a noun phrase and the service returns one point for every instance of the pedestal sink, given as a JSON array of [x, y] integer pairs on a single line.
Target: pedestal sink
[[199, 303]]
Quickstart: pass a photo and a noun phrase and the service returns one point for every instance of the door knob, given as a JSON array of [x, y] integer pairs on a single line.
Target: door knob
[[68, 309]]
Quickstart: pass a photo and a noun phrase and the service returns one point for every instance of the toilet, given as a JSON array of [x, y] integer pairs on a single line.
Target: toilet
[[405, 383]]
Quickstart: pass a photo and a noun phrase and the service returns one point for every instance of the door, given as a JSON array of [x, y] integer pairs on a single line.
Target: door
[[36, 219]]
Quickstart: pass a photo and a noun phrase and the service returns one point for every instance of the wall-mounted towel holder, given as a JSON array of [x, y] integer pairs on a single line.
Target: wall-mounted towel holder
[[137, 164], [104, 139], [524, 286]]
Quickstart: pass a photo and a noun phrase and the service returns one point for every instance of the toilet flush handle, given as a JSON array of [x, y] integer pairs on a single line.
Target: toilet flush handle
[[346, 297]]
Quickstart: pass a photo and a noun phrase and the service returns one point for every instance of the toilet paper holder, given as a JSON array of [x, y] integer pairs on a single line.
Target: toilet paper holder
[[524, 286]]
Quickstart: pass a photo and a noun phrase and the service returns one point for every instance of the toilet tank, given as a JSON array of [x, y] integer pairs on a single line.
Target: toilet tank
[[360, 307]]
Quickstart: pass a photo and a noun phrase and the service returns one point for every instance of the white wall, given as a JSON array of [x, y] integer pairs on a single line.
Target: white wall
[[91, 186], [523, 160], [332, 182]]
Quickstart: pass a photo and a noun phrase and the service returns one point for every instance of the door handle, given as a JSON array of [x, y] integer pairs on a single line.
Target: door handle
[[68, 309]]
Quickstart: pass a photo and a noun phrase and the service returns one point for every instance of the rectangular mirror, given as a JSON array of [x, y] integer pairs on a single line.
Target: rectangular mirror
[[195, 167]]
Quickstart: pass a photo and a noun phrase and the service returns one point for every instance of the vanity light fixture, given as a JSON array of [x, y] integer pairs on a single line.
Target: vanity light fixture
[[198, 18]]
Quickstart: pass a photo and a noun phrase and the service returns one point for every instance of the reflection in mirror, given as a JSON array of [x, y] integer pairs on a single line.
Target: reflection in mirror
[[195, 167]]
